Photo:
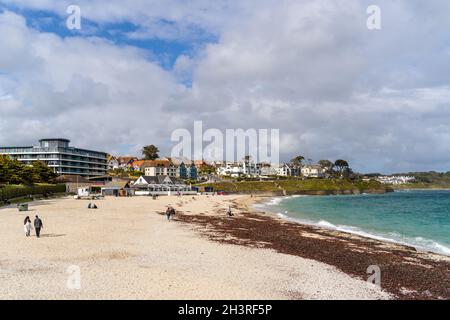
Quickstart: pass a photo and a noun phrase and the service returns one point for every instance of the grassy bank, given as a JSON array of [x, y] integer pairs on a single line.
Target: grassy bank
[[294, 186], [431, 186]]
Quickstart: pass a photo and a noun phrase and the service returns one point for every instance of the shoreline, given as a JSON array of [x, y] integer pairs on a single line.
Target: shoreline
[[248, 205], [422, 189], [361, 232], [346, 251]]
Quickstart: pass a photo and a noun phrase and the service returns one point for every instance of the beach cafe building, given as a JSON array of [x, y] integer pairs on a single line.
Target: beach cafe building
[[117, 189], [161, 185]]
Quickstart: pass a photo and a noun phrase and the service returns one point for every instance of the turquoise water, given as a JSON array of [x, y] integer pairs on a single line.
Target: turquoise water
[[417, 218]]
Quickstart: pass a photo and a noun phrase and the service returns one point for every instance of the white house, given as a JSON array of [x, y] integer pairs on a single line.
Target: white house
[[313, 171], [160, 167], [113, 163], [268, 170], [251, 168], [246, 168], [231, 169], [125, 162], [286, 170], [155, 171], [396, 180]]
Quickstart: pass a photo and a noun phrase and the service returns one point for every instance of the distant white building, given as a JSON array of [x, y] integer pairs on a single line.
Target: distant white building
[[113, 163], [250, 168], [125, 162], [268, 170], [286, 170], [396, 180], [230, 169], [313, 171], [245, 168]]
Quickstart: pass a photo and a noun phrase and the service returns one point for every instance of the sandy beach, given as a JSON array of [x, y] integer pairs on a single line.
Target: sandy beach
[[128, 250]]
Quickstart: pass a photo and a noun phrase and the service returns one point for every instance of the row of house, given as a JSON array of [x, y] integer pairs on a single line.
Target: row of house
[[247, 168], [160, 167], [177, 168]]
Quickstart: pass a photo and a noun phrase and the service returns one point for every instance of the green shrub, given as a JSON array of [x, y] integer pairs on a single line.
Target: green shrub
[[16, 191]]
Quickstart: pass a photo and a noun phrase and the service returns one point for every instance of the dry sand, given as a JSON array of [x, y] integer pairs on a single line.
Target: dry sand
[[127, 250]]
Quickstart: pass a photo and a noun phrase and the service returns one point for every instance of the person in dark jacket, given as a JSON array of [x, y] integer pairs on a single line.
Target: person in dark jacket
[[38, 225], [168, 213]]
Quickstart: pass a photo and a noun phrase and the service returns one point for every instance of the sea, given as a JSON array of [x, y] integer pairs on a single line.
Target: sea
[[416, 218]]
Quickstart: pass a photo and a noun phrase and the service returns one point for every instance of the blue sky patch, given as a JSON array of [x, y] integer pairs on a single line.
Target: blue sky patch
[[163, 51]]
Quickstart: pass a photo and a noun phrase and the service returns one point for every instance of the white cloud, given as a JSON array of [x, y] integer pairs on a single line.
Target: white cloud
[[84, 88], [309, 68]]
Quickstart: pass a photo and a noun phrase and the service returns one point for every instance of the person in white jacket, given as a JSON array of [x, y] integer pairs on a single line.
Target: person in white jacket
[[27, 226]]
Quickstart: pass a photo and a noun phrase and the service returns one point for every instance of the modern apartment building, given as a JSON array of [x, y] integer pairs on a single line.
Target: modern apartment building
[[64, 159]]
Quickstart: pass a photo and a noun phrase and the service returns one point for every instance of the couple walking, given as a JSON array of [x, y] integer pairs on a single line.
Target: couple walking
[[38, 225]]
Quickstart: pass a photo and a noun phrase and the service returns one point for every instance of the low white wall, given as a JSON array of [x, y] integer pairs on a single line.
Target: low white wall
[[142, 193], [163, 193], [187, 193]]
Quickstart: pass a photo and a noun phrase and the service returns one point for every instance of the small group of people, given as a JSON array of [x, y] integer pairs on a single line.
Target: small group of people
[[170, 212], [92, 206], [38, 225]]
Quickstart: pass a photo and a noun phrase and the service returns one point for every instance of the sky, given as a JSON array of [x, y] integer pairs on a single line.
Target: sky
[[137, 70]]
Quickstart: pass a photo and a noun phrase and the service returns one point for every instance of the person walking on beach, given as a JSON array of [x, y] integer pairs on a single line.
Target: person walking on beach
[[38, 225], [168, 214], [229, 213], [27, 226]]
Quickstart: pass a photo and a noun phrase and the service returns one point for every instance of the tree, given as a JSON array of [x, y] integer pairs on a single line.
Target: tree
[[150, 152], [206, 170], [118, 173], [136, 173], [297, 161], [13, 171], [4, 171], [327, 165], [341, 166], [27, 175], [349, 174], [42, 173]]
